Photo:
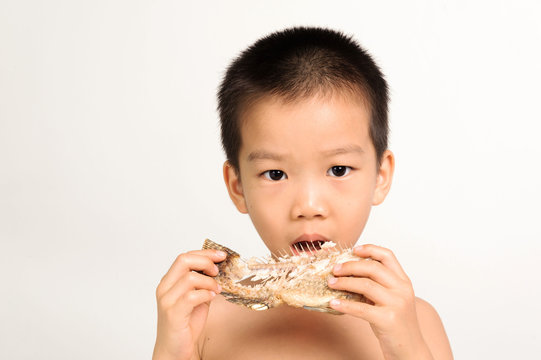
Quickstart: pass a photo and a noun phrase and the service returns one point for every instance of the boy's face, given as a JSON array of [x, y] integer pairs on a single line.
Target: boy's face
[[308, 171]]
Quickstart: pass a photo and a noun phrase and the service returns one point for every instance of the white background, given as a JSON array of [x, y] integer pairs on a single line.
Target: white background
[[110, 161]]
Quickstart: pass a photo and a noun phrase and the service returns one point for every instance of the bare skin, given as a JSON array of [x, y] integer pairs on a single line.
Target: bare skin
[[194, 323], [291, 333], [307, 169], [183, 297]]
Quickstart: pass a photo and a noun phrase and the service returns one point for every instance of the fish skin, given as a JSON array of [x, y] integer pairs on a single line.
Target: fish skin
[[297, 280]]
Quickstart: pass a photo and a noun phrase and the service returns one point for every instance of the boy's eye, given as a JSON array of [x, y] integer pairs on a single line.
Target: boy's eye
[[275, 175], [339, 171]]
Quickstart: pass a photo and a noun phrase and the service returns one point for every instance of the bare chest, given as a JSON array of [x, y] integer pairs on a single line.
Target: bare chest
[[286, 333]]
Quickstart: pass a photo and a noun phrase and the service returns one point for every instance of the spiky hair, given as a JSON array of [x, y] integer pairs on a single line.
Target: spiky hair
[[295, 64]]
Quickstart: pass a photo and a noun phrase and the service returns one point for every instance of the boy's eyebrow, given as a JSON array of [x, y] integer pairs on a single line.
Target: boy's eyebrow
[[344, 150], [264, 155]]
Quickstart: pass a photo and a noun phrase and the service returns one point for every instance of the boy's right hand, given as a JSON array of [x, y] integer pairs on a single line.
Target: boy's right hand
[[183, 297]]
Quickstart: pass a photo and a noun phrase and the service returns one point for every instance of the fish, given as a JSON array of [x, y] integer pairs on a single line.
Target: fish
[[298, 280]]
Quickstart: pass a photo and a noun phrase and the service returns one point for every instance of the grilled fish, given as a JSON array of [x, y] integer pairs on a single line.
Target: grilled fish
[[295, 280]]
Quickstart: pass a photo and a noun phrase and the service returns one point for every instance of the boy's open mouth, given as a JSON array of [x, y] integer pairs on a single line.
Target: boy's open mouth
[[308, 243]]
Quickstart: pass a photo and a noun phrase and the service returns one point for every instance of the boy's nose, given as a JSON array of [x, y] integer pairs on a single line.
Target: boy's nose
[[308, 204]]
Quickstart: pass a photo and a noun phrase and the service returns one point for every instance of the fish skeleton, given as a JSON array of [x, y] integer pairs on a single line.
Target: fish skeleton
[[296, 280]]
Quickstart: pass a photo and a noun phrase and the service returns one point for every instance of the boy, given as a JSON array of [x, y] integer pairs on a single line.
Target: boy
[[304, 128]]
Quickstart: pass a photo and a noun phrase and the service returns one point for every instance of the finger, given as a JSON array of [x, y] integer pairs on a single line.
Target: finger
[[358, 309], [368, 268], [383, 255], [199, 260], [364, 286], [188, 282], [195, 298]]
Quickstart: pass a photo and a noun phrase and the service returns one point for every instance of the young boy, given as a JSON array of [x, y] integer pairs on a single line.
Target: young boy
[[304, 128]]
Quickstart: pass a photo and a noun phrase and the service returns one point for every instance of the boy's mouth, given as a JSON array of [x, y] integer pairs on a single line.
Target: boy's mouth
[[307, 243]]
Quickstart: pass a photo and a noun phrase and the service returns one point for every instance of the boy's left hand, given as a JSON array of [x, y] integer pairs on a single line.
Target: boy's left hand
[[393, 316]]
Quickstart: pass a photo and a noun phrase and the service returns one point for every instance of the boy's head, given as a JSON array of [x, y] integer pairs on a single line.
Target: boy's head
[[304, 125], [296, 64]]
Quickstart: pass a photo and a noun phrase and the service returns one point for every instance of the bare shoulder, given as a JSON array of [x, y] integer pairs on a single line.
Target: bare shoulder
[[219, 308], [222, 312], [224, 328], [433, 330], [218, 315]]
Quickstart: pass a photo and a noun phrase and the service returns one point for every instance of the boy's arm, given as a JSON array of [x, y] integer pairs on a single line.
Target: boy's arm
[[403, 324], [433, 330]]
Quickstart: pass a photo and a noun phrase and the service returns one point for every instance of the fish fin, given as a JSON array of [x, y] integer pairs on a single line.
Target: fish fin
[[209, 244]]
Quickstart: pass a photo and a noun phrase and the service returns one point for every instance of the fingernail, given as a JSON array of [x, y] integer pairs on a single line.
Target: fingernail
[[220, 253], [216, 268], [213, 293], [219, 289], [334, 302], [358, 248], [337, 267], [332, 280]]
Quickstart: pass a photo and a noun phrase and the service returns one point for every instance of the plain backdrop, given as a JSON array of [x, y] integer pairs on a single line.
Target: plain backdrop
[[110, 161]]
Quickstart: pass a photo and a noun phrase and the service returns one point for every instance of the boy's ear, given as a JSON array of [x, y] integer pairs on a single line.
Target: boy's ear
[[385, 177], [234, 187]]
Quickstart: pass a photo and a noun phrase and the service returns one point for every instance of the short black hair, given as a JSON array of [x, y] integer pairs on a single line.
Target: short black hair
[[297, 63]]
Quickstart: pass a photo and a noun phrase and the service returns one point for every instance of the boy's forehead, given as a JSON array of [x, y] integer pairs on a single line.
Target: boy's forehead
[[332, 124], [270, 107]]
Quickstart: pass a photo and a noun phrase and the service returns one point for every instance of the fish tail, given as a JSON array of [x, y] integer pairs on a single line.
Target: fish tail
[[209, 244]]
